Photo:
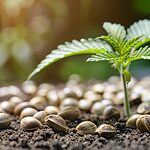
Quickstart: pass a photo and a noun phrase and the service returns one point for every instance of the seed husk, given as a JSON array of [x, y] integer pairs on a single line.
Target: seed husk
[[144, 108], [111, 112], [86, 127], [57, 123], [27, 112], [143, 123], [51, 110], [5, 120], [131, 122], [22, 106], [14, 101], [70, 113], [41, 116], [106, 130], [30, 123]]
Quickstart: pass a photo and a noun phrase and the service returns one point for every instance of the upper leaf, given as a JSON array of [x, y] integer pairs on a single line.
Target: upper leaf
[[140, 28], [90, 46], [117, 31]]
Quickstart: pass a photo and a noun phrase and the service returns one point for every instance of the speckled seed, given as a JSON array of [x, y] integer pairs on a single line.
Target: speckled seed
[[22, 106], [85, 104], [39, 102], [70, 113], [144, 108], [57, 123], [51, 110], [98, 108], [106, 130], [86, 127], [131, 122], [14, 101], [6, 107], [143, 123], [69, 102], [111, 112], [30, 123], [5, 120], [41, 116], [27, 112]]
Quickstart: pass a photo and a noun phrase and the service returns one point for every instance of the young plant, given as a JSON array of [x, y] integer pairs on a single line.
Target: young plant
[[120, 47]]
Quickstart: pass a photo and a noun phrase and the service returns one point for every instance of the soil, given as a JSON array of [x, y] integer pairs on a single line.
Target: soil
[[45, 138]]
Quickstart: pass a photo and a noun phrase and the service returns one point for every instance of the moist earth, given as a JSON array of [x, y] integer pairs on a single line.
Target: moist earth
[[45, 138]]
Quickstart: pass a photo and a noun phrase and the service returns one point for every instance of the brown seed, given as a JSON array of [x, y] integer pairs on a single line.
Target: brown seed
[[86, 127], [27, 112], [57, 123], [131, 122], [51, 110], [111, 112], [70, 113], [85, 104], [98, 108], [143, 123], [69, 102], [144, 108], [30, 123], [14, 101], [6, 107], [41, 116], [22, 106], [106, 130], [5, 120], [39, 102]]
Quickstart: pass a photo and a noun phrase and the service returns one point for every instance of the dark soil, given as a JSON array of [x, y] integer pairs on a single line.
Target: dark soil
[[46, 138]]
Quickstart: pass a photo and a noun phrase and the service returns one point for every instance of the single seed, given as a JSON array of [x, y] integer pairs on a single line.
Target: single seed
[[98, 88], [22, 106], [86, 127], [5, 120], [39, 102], [41, 116], [85, 105], [98, 108], [30, 123], [131, 122], [57, 123], [144, 108], [14, 101], [27, 112], [111, 112], [69, 92], [143, 123], [6, 107], [69, 102], [51, 110], [106, 130], [70, 113]]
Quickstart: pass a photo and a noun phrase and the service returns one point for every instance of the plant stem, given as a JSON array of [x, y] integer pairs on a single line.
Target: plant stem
[[126, 101]]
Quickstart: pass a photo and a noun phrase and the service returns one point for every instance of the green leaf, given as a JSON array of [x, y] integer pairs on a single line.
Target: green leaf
[[115, 44], [142, 53], [117, 31], [140, 28], [90, 46]]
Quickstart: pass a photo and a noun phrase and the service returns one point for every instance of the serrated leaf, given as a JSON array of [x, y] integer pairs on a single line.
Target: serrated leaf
[[117, 31], [90, 46], [140, 28]]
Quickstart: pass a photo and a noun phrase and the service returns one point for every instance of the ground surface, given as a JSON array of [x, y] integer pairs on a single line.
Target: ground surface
[[46, 138]]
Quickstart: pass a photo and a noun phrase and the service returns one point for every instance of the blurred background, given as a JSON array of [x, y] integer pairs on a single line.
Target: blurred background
[[30, 29]]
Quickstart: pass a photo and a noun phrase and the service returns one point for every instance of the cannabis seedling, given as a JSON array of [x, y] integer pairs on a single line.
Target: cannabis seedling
[[119, 47]]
